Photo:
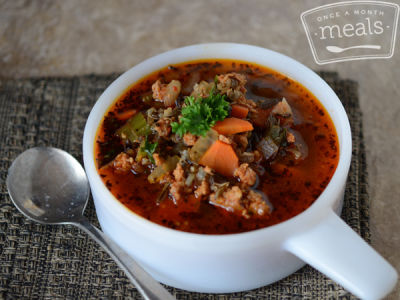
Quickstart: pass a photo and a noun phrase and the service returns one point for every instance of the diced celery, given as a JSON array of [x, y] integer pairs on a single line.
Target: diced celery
[[134, 128], [141, 153], [168, 166]]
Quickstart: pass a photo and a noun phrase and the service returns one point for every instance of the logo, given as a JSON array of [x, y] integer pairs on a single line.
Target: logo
[[351, 30]]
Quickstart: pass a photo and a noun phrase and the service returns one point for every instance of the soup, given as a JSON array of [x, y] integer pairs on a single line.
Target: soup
[[216, 147]]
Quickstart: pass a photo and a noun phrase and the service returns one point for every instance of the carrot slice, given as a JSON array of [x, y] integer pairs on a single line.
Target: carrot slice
[[239, 111], [232, 126], [221, 157], [125, 115]]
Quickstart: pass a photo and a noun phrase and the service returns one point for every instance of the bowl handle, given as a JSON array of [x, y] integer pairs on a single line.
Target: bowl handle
[[333, 248]]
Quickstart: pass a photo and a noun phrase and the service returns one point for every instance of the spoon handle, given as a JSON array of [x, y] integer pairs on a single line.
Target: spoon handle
[[147, 286]]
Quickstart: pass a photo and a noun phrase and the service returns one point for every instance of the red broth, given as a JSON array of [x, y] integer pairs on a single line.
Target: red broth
[[291, 188]]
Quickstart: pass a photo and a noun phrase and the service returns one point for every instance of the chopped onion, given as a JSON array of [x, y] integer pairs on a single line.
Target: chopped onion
[[201, 174], [268, 147], [189, 179], [168, 112], [202, 145], [247, 157]]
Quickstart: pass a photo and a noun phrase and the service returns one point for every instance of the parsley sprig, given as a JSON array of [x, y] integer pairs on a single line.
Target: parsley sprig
[[199, 115]]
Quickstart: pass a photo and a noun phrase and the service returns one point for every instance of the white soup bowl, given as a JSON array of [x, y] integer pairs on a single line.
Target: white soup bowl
[[243, 261]]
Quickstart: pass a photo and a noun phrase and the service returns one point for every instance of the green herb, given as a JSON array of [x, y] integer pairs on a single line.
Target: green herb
[[149, 149], [199, 115]]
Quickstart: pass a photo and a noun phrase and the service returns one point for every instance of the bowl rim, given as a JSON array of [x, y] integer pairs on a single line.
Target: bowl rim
[[313, 214]]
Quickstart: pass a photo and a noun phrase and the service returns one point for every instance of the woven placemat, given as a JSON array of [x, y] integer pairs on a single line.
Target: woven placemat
[[50, 262]]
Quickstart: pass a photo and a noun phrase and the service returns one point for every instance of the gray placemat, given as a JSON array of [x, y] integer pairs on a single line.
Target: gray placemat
[[51, 262]]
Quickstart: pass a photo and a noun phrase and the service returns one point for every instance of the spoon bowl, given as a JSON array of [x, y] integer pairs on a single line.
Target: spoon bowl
[[49, 186]]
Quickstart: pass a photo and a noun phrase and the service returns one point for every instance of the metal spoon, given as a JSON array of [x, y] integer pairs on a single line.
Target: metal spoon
[[49, 186]]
